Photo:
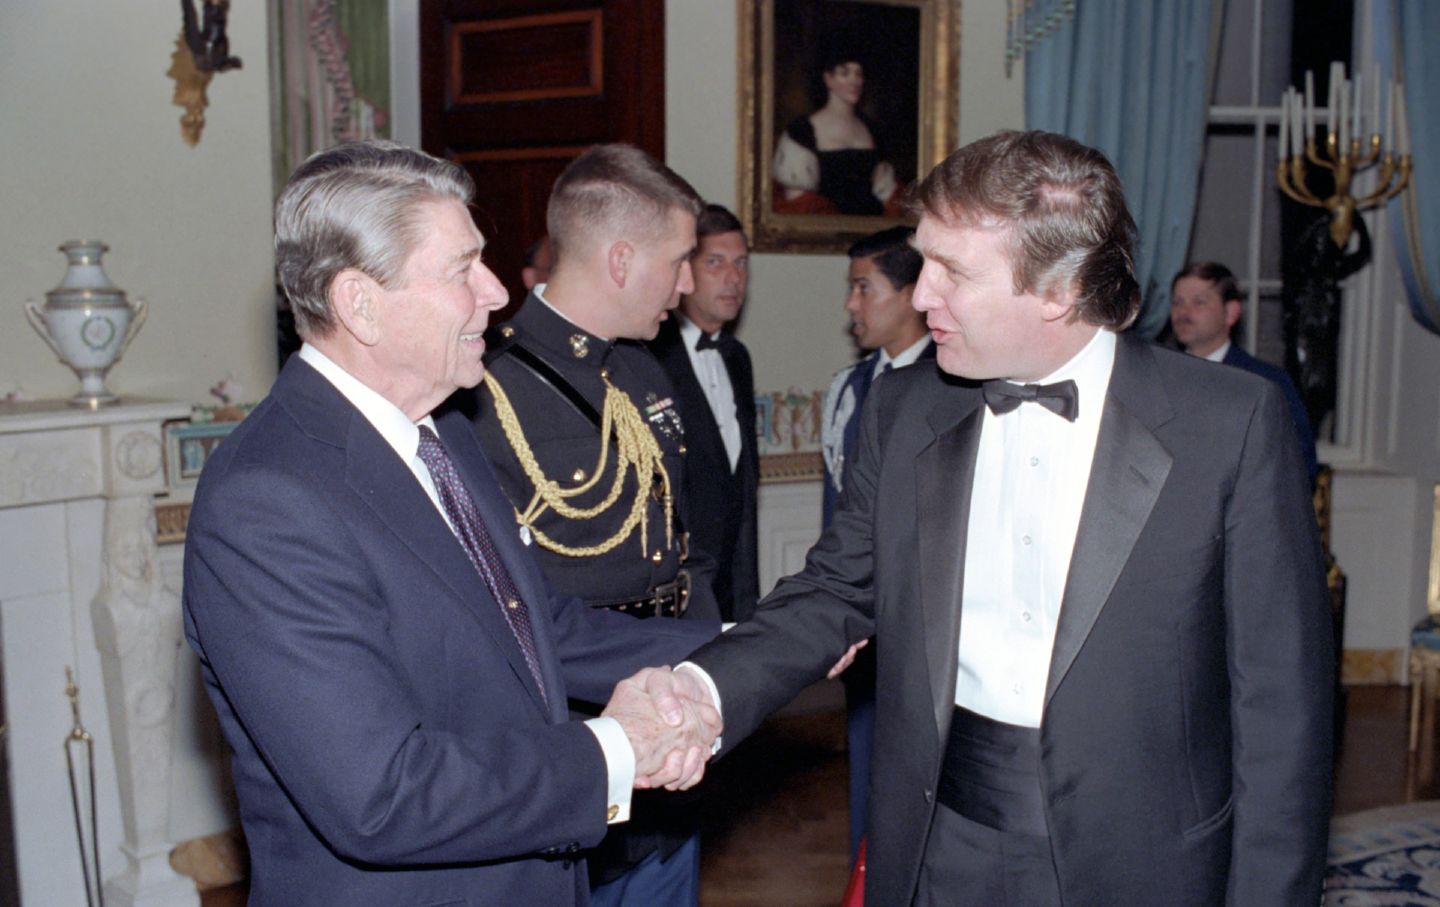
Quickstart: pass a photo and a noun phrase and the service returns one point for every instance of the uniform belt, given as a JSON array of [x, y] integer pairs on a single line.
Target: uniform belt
[[991, 774], [665, 600]]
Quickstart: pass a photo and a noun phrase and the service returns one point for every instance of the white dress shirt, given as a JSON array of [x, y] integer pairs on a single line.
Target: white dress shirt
[[839, 406], [905, 357], [404, 437], [1031, 471], [1218, 354], [714, 380]]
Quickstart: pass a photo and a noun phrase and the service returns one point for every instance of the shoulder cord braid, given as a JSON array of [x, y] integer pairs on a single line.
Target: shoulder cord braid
[[636, 448]]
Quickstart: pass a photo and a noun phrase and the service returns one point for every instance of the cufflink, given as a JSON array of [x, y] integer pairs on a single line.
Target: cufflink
[[612, 812]]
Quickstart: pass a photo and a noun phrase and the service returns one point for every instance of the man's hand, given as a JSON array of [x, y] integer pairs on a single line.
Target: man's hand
[[670, 725], [846, 660]]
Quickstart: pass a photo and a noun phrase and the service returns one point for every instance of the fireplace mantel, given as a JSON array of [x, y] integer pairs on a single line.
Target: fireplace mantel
[[82, 584]]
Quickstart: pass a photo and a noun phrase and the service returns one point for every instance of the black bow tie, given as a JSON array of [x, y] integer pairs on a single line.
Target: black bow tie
[[706, 342], [1061, 398]]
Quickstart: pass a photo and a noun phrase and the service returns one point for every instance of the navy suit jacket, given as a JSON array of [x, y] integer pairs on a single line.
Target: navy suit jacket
[[1186, 734], [1240, 359], [391, 746]]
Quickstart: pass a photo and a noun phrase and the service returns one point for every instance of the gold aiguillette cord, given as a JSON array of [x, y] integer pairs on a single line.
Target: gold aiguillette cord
[[79, 740]]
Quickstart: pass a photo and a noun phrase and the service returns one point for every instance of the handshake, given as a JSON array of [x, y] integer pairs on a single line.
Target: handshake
[[671, 724]]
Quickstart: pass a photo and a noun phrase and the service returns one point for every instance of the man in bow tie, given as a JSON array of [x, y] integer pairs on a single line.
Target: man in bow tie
[[1092, 572], [715, 392]]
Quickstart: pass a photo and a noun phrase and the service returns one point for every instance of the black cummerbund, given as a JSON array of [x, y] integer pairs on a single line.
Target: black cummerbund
[[991, 774]]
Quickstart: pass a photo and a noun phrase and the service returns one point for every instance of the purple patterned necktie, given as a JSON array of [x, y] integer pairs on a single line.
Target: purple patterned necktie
[[478, 545]]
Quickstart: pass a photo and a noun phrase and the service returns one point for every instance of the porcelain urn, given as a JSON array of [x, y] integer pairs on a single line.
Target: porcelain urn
[[87, 320]]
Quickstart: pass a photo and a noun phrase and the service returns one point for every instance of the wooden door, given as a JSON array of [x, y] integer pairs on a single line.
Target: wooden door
[[515, 89]]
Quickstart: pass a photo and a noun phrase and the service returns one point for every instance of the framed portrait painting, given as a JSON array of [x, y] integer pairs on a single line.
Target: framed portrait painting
[[844, 104]]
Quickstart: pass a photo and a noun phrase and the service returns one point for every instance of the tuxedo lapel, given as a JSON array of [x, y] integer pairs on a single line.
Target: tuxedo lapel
[[1126, 476], [742, 384], [944, 472]]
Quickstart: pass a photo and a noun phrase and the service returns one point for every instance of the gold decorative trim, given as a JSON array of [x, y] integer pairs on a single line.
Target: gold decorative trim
[[936, 120], [190, 90], [1372, 666], [171, 518], [791, 467]]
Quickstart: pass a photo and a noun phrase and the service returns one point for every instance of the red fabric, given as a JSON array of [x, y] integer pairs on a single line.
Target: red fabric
[[855, 891]]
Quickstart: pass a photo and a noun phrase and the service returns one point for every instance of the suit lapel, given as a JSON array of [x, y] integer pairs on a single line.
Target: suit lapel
[[1126, 476], [387, 486], [944, 472]]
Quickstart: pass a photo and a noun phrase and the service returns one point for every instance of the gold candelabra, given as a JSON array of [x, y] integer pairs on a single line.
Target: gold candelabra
[[1346, 148]]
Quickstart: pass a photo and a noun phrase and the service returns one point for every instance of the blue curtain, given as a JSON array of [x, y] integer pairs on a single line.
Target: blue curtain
[[1131, 78], [1415, 213]]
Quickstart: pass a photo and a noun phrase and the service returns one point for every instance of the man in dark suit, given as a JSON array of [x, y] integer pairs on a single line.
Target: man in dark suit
[[1204, 308], [1092, 572], [883, 269], [386, 659], [715, 390]]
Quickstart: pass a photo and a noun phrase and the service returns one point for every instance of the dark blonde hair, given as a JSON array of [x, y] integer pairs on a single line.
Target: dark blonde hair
[[1063, 207]]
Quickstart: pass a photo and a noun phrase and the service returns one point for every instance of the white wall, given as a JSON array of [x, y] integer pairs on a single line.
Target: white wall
[[794, 324], [91, 149]]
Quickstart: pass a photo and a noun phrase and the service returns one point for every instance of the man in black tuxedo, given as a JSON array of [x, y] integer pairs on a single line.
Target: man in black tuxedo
[[1204, 308], [1092, 572], [715, 391], [883, 269]]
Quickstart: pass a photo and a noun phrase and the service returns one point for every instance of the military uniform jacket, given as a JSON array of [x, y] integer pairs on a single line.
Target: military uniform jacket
[[566, 444]]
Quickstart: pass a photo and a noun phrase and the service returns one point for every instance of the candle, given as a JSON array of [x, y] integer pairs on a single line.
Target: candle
[[1342, 116], [1358, 93], [1284, 137], [1390, 120], [1332, 105], [1375, 99], [1297, 122], [1402, 124], [1309, 105]]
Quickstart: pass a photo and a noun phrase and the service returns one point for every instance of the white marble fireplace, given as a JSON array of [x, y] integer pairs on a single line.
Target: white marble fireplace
[[83, 583]]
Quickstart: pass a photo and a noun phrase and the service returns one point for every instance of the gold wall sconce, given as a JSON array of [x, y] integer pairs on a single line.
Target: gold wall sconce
[[201, 50]]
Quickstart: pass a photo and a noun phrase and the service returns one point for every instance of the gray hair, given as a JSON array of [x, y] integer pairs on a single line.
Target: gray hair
[[354, 206], [618, 188]]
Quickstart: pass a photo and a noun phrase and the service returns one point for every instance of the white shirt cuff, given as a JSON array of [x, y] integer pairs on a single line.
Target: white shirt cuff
[[619, 767], [714, 695]]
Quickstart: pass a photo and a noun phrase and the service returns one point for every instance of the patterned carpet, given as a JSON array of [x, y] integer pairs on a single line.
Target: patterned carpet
[[1388, 857]]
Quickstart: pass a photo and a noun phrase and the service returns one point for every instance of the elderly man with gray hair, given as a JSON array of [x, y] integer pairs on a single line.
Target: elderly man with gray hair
[[386, 658]]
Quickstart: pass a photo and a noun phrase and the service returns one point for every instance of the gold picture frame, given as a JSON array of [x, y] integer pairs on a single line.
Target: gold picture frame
[[910, 56]]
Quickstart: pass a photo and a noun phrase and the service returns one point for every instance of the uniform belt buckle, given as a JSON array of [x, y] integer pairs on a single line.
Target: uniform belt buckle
[[670, 599]]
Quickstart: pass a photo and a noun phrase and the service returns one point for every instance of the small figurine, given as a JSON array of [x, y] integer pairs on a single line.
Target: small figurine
[[206, 38]]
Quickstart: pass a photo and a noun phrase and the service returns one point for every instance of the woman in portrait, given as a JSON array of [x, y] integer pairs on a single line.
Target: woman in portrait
[[829, 162]]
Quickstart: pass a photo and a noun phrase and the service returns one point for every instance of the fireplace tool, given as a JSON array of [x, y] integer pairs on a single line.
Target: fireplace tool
[[79, 741]]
